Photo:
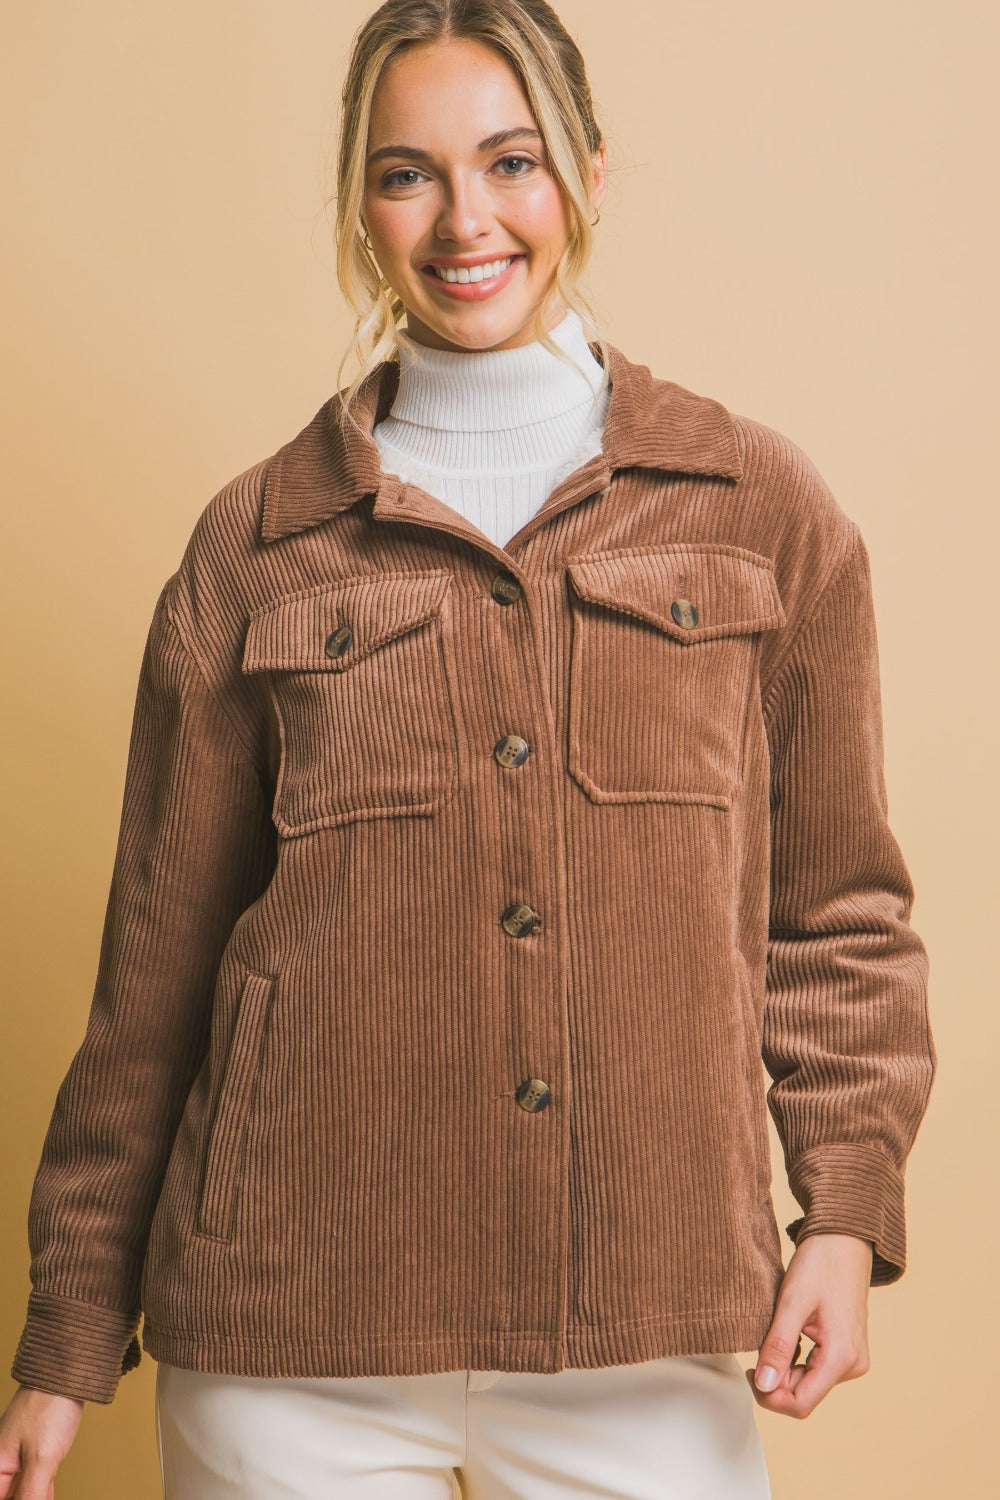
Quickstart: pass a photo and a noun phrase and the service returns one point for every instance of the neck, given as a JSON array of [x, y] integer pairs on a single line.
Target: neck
[[496, 389], [491, 432]]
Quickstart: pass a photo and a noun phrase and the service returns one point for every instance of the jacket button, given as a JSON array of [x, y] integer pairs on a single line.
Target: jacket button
[[519, 920], [338, 642], [511, 751], [684, 612], [506, 589], [533, 1094]]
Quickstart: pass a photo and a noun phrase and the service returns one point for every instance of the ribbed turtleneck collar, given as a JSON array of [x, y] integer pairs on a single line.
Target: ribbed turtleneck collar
[[487, 390]]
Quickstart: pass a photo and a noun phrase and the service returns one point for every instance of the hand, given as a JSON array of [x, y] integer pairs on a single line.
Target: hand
[[36, 1432], [824, 1294]]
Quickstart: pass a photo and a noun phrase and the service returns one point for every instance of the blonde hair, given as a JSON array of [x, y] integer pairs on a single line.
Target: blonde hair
[[529, 36]]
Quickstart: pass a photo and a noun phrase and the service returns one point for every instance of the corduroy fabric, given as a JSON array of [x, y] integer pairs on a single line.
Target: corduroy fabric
[[290, 1138]]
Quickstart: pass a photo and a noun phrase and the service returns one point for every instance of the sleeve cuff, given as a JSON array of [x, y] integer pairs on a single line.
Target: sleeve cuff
[[74, 1348], [852, 1189]]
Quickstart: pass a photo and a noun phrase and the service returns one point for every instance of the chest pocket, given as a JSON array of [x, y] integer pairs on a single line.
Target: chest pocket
[[663, 659], [359, 674]]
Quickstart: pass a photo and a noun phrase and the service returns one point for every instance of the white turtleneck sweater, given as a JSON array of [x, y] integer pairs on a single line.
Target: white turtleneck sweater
[[492, 432]]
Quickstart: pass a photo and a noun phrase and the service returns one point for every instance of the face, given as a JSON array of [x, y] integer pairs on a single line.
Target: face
[[439, 192]]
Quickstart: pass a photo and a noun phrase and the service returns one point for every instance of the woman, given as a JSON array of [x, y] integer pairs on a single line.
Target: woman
[[505, 782]]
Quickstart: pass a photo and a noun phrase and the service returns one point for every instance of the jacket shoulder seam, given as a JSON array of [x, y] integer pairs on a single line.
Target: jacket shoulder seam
[[192, 654], [809, 616]]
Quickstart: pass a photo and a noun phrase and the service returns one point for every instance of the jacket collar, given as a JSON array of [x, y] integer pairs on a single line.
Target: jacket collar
[[649, 424]]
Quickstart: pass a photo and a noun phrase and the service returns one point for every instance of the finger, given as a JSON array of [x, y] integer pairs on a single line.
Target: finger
[[10, 1470], [805, 1385], [771, 1400], [779, 1351], [37, 1481]]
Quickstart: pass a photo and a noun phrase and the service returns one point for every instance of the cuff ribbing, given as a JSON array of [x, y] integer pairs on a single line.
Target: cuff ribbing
[[74, 1348], [852, 1189]]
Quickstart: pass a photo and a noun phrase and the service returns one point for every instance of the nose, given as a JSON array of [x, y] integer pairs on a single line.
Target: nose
[[465, 212]]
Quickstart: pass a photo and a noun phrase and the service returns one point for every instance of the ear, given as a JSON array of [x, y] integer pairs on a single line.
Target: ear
[[600, 184]]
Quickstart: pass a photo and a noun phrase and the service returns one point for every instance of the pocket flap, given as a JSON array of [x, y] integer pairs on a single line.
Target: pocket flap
[[732, 589], [292, 633]]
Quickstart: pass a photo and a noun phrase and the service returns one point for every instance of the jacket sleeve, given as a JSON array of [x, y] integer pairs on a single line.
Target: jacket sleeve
[[195, 848], [845, 1037]]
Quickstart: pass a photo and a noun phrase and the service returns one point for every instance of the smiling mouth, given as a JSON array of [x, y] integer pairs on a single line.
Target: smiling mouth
[[488, 271]]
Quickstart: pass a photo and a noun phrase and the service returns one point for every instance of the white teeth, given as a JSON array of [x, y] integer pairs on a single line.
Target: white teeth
[[472, 273]]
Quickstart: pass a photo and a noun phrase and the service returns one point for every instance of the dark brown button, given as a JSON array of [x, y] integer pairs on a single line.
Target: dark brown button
[[338, 642], [533, 1094], [511, 751], [519, 920], [684, 612], [506, 589]]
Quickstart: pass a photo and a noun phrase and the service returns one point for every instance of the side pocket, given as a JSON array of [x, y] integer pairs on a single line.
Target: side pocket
[[227, 1138]]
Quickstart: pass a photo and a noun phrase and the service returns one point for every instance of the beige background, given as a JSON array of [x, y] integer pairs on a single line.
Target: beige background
[[802, 223]]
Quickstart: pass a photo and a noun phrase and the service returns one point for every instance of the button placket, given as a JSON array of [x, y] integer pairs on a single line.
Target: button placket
[[519, 919]]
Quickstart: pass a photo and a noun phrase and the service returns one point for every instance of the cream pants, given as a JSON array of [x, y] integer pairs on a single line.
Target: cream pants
[[677, 1428]]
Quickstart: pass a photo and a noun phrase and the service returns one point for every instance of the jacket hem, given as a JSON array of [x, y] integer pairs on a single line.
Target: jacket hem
[[580, 1346]]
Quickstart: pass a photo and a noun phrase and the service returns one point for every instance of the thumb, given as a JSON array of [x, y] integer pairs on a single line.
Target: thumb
[[780, 1348]]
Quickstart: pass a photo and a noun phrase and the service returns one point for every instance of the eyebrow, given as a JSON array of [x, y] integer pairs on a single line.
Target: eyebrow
[[499, 138]]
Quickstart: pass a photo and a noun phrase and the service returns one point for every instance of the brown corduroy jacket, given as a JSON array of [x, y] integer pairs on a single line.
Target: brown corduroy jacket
[[463, 894]]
